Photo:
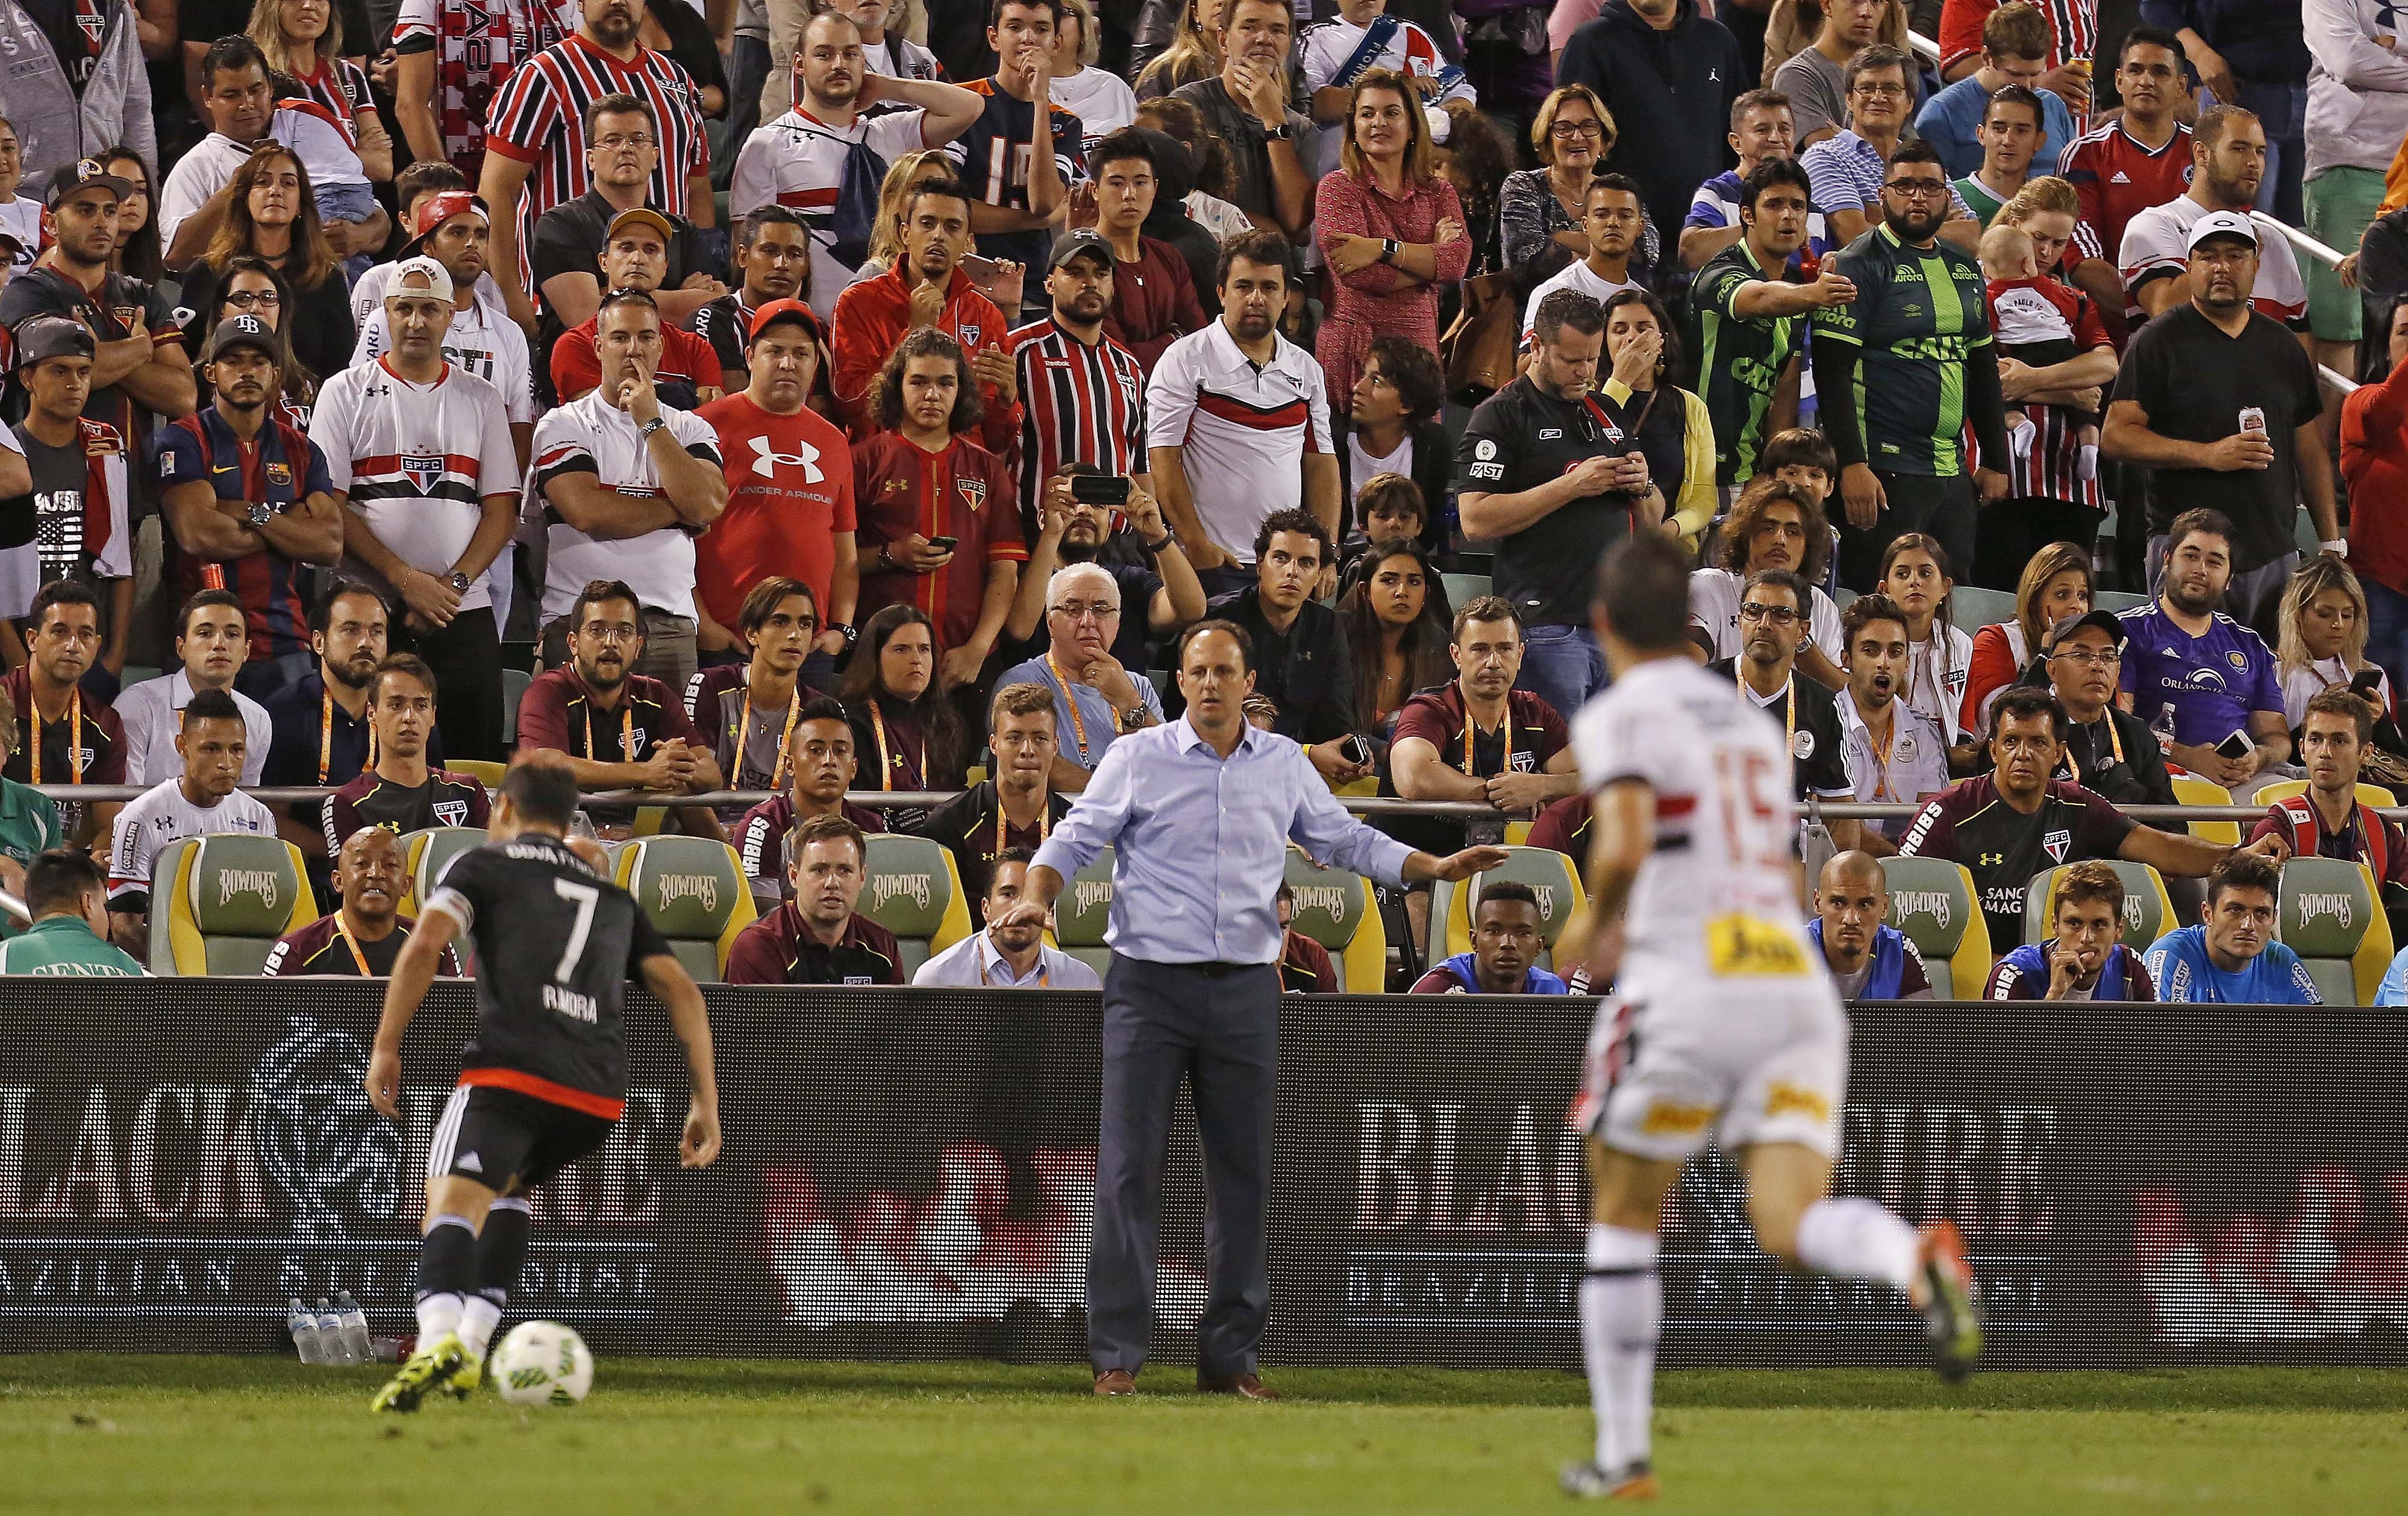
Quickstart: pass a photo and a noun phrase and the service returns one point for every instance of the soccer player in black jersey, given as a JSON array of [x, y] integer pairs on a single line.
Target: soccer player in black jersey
[[545, 1077]]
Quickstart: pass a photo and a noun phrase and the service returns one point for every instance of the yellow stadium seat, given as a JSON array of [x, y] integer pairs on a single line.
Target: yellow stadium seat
[[219, 903], [914, 891], [426, 853], [2331, 915], [1933, 902], [2148, 911], [1339, 910], [1562, 902], [2189, 789], [484, 770], [2368, 794], [695, 891]]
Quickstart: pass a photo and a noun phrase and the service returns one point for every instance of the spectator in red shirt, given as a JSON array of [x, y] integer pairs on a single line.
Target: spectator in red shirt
[[816, 938], [2374, 461], [1304, 964], [790, 488], [927, 287], [2329, 820], [935, 511], [635, 256], [1154, 293]]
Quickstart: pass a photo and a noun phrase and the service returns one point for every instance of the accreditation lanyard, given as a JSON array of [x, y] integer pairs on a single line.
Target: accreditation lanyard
[[1070, 698], [2115, 743], [626, 733], [326, 739], [343, 931], [886, 764], [1044, 975], [75, 740], [1044, 824], [1880, 758], [744, 735], [1472, 730]]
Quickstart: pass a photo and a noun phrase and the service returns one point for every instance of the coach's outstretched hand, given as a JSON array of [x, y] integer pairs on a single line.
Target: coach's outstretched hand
[[1455, 866]]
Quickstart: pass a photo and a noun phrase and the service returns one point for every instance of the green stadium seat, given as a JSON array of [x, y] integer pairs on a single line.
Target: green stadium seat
[[1463, 589], [914, 891], [1082, 911], [2333, 917], [695, 891], [1970, 605], [1931, 901], [427, 852], [2117, 601], [1339, 910], [219, 903], [1562, 902], [2148, 911], [514, 685]]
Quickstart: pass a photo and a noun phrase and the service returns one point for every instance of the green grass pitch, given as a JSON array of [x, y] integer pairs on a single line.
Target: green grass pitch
[[99, 1434]]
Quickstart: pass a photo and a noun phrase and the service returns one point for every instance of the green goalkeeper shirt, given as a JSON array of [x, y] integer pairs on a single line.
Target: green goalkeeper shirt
[[1740, 359], [1919, 318]]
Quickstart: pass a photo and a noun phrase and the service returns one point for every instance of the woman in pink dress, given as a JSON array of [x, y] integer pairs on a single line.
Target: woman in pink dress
[[1389, 227]]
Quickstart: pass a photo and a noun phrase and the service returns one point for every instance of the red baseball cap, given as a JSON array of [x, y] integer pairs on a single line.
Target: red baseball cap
[[786, 310], [441, 209]]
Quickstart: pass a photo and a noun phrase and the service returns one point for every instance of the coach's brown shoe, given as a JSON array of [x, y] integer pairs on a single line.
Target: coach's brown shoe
[[1115, 1381], [1245, 1386]]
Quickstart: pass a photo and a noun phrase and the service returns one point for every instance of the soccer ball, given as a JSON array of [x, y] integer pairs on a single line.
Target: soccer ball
[[542, 1364]]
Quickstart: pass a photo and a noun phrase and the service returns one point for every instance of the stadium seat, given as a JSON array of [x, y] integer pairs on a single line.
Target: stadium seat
[[1971, 606], [2117, 601], [1932, 900], [2333, 917], [1561, 901], [1463, 589], [1339, 910], [427, 852], [915, 891], [2190, 790], [695, 891], [484, 770], [2148, 911], [514, 685], [1083, 910], [2368, 794], [219, 903]]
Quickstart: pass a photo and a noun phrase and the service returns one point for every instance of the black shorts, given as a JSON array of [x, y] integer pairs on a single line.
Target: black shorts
[[504, 1139]]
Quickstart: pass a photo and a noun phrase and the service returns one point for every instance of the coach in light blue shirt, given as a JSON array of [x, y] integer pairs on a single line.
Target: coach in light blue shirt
[[1199, 814]]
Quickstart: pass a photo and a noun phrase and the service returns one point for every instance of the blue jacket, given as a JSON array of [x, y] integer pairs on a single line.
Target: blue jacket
[[1536, 981], [1888, 960]]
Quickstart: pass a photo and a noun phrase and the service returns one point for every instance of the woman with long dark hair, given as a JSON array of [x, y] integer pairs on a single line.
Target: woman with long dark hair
[[1666, 424], [273, 216], [1396, 620], [253, 287], [138, 251], [904, 731]]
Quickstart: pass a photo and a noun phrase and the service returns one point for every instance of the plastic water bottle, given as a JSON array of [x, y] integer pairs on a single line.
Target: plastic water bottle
[[304, 1327], [355, 1328], [2162, 728], [330, 1334]]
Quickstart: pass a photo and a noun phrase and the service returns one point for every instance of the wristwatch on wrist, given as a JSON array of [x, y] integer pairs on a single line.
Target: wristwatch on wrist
[[1389, 247], [2337, 545], [1132, 720], [648, 427], [1152, 548], [458, 581], [847, 629], [259, 513], [1283, 132]]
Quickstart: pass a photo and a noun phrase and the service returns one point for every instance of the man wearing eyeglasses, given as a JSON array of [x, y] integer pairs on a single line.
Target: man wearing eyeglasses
[[1849, 168], [2110, 752], [1096, 697], [623, 149], [1901, 370], [1772, 623]]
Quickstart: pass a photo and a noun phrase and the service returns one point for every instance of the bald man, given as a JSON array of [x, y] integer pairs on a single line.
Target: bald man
[[362, 937], [1867, 960]]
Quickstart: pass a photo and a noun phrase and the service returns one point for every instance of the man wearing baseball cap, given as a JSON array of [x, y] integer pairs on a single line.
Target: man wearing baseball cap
[[2108, 751], [789, 505], [78, 528], [2220, 404], [1089, 390], [249, 503], [454, 229], [635, 256]]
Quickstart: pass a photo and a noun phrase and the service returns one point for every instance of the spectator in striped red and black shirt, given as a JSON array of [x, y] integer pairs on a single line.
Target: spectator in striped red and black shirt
[[1083, 394]]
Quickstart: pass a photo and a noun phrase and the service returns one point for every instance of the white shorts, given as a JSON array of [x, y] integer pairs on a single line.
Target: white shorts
[[1735, 1061]]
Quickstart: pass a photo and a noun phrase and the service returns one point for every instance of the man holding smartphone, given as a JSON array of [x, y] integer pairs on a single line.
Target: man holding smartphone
[[1087, 516]]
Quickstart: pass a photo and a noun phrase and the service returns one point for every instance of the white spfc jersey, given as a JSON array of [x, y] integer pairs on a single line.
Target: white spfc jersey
[[1718, 896]]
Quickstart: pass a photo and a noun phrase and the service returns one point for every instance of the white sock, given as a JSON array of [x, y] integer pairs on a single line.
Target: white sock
[[2086, 462], [439, 1315], [2020, 437], [1858, 1239], [1621, 1310], [478, 1316]]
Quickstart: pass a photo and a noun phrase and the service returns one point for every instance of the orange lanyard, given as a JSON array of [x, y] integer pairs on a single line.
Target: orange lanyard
[[344, 932], [1070, 698], [1044, 824], [326, 739], [1881, 757], [75, 740], [626, 733], [1472, 728], [1044, 975], [744, 735], [2115, 741], [886, 764]]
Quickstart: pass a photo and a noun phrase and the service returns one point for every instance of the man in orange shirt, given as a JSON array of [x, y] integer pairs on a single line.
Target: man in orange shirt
[[927, 287], [790, 503]]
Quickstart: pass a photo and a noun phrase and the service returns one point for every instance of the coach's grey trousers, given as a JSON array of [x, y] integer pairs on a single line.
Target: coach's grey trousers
[[1217, 1025]]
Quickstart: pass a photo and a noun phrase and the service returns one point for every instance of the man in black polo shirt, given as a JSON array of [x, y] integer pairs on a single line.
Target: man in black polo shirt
[[2110, 752], [816, 938], [1300, 658], [1544, 473], [1772, 624], [1017, 807], [2006, 825]]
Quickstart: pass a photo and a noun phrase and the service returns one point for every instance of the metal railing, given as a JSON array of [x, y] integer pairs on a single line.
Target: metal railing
[[2339, 383]]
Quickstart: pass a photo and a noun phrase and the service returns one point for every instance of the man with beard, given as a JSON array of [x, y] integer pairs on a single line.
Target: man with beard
[[2007, 824], [250, 526], [622, 148], [1916, 346], [74, 524], [1246, 106], [620, 730], [816, 938], [2330, 820], [404, 792], [824, 158], [454, 230], [541, 127], [1008, 955], [1096, 697], [791, 512], [2227, 154], [2083, 957], [360, 938], [628, 481], [773, 263], [1083, 394], [1504, 956], [2221, 404], [1017, 807], [1611, 219], [2230, 957], [1018, 159], [1773, 524], [925, 288], [1867, 959], [2213, 673], [1772, 624], [209, 641], [320, 721], [1750, 318], [62, 738], [1139, 552], [426, 474], [2108, 751], [818, 759], [1152, 289], [635, 256], [1896, 754]]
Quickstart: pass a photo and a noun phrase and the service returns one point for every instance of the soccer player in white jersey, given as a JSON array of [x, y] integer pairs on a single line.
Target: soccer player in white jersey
[[1721, 1026]]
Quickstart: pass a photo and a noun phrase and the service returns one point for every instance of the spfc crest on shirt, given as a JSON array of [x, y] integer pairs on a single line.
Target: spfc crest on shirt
[[2057, 845], [969, 336], [94, 25], [422, 468], [451, 812], [973, 492]]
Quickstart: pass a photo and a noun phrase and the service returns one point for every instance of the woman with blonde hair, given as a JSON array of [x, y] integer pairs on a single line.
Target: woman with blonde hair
[[2056, 584], [271, 214], [1574, 132], [2323, 641], [1390, 228], [1194, 54]]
